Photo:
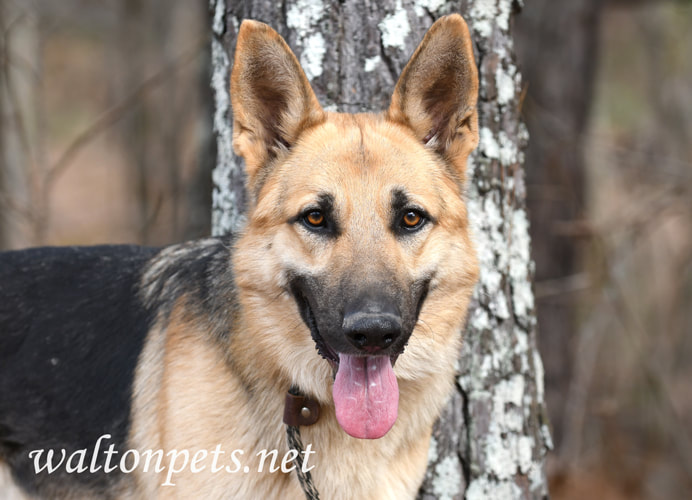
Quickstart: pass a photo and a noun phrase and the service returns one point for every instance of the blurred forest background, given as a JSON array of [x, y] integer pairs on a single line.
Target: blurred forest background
[[105, 137]]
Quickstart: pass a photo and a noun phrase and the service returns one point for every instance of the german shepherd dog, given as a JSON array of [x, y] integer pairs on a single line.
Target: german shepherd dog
[[130, 372]]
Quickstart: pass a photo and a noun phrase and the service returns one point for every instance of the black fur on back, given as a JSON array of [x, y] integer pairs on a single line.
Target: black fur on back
[[73, 321]]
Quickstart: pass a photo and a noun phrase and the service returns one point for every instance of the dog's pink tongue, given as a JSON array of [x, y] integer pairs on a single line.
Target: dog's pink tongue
[[366, 395]]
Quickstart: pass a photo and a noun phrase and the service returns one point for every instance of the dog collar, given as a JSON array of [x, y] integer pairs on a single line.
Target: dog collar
[[300, 410]]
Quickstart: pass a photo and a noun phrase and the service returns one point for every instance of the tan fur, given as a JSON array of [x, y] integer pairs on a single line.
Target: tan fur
[[192, 394], [8, 489]]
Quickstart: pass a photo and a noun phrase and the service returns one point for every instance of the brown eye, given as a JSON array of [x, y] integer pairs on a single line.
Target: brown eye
[[412, 219], [314, 218]]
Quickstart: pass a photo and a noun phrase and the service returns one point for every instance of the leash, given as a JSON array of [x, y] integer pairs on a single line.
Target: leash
[[300, 410]]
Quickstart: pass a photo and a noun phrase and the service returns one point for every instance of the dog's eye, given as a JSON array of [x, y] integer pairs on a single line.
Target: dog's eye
[[314, 219], [412, 220]]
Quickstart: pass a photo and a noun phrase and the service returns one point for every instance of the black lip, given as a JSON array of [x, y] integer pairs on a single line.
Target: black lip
[[308, 316], [323, 348]]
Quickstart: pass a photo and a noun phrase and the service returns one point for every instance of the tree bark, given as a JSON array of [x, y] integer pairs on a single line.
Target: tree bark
[[492, 439]]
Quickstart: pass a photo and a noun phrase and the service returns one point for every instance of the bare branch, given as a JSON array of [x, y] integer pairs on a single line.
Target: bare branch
[[112, 115]]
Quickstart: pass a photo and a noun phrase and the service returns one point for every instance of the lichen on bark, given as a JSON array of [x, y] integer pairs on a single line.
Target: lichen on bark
[[500, 369], [228, 197]]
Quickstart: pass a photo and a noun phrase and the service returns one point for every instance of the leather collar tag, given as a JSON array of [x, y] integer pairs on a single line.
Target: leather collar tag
[[300, 410]]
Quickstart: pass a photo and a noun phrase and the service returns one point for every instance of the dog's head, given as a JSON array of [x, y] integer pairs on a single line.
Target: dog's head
[[358, 220]]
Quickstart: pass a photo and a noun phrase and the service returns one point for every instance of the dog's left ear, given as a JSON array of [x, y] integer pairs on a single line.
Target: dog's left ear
[[437, 92], [271, 96]]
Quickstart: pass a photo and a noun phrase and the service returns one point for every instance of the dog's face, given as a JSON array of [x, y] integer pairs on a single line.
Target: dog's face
[[359, 220]]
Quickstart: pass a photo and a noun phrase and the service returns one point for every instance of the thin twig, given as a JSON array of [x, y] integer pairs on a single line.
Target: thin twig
[[115, 113], [111, 116], [9, 204]]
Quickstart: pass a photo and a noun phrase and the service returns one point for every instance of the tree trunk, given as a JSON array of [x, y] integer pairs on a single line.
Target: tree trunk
[[492, 439], [21, 211], [4, 219]]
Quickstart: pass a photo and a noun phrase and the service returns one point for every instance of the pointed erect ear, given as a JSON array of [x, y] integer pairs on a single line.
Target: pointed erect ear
[[271, 96], [437, 92]]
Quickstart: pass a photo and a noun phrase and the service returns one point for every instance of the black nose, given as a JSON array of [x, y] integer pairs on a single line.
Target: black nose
[[372, 327]]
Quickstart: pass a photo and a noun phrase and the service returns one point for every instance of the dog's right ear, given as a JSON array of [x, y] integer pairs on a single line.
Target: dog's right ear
[[271, 96]]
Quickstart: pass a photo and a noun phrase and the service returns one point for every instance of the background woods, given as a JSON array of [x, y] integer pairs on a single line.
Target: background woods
[[106, 135], [104, 122]]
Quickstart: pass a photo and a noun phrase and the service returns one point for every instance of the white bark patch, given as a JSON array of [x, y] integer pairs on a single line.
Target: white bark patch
[[505, 10], [499, 459], [545, 432], [432, 6], [447, 478], [479, 319], [520, 254], [524, 452], [505, 457], [540, 383], [222, 98], [536, 476], [487, 226], [484, 489], [483, 13], [505, 83], [500, 308], [432, 450], [313, 55], [487, 143], [371, 63], [225, 215], [304, 16], [219, 11], [509, 392], [521, 351], [395, 28], [508, 154]]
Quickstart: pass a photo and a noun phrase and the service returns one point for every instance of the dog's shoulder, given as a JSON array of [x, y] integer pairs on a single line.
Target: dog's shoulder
[[197, 271]]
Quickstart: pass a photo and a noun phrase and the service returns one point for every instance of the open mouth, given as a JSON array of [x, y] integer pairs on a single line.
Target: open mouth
[[308, 316], [365, 391]]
